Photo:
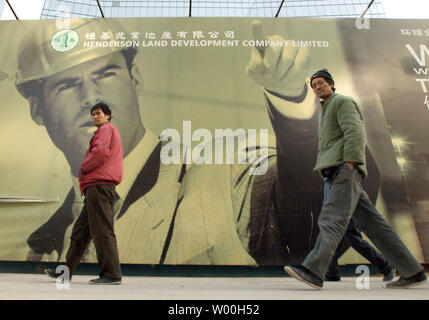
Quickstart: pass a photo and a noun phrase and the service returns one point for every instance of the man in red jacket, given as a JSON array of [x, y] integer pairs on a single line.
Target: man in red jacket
[[100, 171]]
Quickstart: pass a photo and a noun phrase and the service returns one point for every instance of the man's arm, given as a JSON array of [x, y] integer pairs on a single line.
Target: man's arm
[[282, 72], [100, 150], [296, 195], [350, 119]]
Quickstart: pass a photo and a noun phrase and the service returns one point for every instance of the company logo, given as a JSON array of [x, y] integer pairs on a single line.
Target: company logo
[[64, 40]]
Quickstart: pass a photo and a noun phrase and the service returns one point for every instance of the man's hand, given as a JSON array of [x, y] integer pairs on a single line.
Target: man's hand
[[350, 165], [279, 69]]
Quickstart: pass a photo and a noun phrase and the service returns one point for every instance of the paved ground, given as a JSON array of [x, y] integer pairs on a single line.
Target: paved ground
[[38, 286]]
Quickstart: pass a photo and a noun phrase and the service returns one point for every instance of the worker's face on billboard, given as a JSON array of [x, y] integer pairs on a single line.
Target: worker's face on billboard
[[70, 94]]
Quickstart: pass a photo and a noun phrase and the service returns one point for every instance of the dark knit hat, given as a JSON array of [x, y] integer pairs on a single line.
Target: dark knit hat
[[322, 74]]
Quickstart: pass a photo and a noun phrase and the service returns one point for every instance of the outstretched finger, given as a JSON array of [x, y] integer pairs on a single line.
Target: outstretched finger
[[259, 36]]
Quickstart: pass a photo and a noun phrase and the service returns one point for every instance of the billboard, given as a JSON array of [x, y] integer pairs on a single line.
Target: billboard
[[219, 126]]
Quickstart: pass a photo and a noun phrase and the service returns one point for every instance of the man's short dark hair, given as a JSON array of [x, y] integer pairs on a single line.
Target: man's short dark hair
[[104, 107]]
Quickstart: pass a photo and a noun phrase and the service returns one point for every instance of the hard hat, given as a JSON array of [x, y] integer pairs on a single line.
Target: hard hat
[[47, 49]]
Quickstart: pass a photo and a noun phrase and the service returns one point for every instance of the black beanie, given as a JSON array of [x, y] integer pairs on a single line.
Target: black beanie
[[322, 74]]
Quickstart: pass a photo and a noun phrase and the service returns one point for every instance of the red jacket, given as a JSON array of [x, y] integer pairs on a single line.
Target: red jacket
[[103, 161]]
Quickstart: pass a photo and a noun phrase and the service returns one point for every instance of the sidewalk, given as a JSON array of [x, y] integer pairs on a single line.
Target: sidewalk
[[40, 287]]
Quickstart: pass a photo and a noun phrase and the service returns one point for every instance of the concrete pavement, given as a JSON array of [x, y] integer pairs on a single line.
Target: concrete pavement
[[40, 287]]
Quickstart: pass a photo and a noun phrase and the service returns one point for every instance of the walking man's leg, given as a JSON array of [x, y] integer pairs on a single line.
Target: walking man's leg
[[79, 242], [101, 220], [333, 221], [364, 248], [333, 273], [371, 222]]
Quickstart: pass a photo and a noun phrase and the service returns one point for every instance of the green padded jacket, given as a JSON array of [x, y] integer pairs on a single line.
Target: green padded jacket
[[341, 134]]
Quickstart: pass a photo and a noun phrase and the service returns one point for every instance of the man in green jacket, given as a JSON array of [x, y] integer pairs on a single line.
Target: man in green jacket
[[341, 159]]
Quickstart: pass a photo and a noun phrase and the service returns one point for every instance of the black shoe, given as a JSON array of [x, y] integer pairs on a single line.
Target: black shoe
[[52, 273], [332, 277], [104, 281], [389, 275], [402, 282], [302, 274]]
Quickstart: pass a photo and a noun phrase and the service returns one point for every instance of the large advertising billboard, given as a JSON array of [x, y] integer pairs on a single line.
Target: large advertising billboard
[[219, 128]]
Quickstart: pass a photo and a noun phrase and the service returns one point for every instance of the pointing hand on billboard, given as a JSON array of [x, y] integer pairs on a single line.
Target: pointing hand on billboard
[[278, 68]]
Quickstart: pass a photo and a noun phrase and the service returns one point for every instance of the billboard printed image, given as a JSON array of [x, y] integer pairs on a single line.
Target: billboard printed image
[[219, 129]]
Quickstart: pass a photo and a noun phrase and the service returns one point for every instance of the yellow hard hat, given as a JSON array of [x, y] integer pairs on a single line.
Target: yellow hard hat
[[47, 49]]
